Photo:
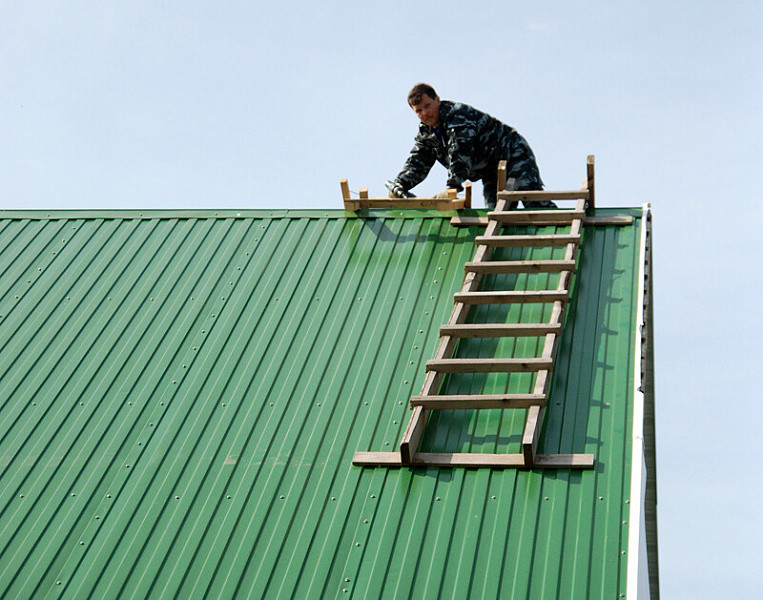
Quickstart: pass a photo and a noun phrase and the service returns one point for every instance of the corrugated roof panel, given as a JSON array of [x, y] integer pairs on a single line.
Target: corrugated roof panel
[[181, 395]]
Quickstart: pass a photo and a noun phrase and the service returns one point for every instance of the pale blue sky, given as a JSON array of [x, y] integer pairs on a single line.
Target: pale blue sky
[[251, 105]]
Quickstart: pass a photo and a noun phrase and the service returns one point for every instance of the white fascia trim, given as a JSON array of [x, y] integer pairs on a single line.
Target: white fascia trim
[[637, 583]]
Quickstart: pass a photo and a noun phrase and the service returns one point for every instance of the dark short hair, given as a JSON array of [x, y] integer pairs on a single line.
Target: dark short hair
[[418, 90]]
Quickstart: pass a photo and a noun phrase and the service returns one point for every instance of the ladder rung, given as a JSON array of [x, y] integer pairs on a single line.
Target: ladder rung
[[506, 297], [489, 365], [479, 401], [536, 216], [500, 329], [520, 266], [535, 195], [513, 241]]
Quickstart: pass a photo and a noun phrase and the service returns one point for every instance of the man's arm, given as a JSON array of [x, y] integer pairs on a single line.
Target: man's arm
[[461, 141], [417, 166]]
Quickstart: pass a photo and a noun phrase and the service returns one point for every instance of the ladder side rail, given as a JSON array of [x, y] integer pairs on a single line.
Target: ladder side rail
[[590, 181], [415, 429], [534, 421]]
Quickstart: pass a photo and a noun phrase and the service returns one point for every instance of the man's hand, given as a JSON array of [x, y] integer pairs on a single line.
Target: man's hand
[[442, 194], [396, 191]]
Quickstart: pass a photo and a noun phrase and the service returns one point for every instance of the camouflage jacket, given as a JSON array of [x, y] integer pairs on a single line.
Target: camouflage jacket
[[470, 146]]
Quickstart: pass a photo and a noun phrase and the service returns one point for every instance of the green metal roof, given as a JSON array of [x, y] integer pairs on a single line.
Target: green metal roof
[[181, 395]]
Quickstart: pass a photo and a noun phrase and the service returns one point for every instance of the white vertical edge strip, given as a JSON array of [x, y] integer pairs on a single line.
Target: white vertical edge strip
[[636, 528]]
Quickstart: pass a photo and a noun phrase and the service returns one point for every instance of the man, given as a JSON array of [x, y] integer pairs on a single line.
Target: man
[[470, 144]]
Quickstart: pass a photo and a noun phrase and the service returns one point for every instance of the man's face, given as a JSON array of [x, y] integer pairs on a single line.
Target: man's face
[[428, 110]]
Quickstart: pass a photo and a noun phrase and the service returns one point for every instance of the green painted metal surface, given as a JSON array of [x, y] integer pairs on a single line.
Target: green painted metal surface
[[181, 395]]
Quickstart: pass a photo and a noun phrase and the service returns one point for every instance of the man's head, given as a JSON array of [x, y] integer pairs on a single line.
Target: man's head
[[425, 103]]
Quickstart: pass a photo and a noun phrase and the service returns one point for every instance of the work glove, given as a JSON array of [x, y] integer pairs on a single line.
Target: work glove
[[397, 191], [442, 194]]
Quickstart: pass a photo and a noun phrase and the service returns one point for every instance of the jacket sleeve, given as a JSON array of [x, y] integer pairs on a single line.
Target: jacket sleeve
[[460, 153], [418, 164]]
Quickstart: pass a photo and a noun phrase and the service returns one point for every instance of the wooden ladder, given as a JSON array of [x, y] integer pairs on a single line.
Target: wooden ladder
[[456, 328]]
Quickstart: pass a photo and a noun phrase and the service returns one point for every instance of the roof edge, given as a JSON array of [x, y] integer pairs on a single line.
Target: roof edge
[[642, 579], [232, 213]]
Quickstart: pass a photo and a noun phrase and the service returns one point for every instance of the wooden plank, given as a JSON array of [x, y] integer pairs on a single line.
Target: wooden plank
[[377, 459], [520, 266], [534, 420], [537, 195], [556, 312], [488, 365], [410, 203], [515, 241], [500, 329], [510, 297], [460, 221], [532, 433], [616, 220], [479, 401], [501, 175], [454, 204], [439, 459], [468, 194], [451, 203], [468, 459], [474, 460], [349, 205], [604, 221], [538, 222], [525, 217], [590, 182], [413, 432], [542, 384], [563, 461], [576, 226], [503, 461]]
